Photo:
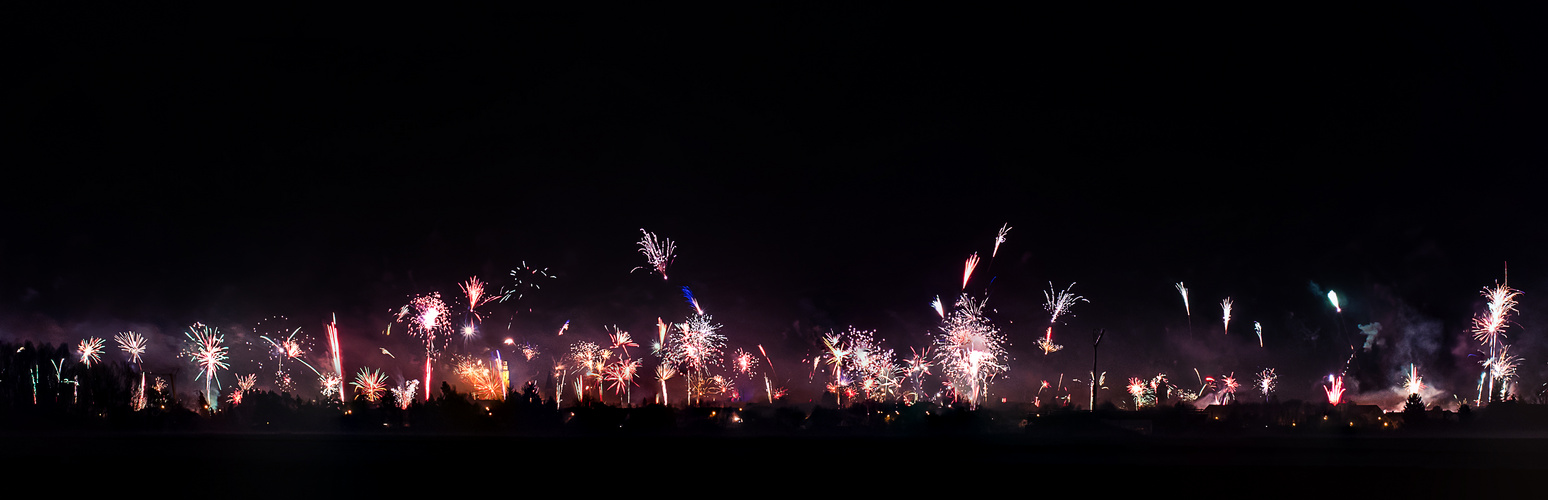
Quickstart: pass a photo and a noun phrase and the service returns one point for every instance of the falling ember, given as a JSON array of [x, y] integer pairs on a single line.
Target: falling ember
[[1333, 298], [131, 343], [967, 271], [1184, 291], [657, 254], [1225, 307], [1336, 391], [90, 351], [1058, 303], [1000, 238]]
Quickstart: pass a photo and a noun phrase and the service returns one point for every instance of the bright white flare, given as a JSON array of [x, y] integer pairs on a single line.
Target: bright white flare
[[1225, 307], [132, 343], [90, 351], [1184, 291]]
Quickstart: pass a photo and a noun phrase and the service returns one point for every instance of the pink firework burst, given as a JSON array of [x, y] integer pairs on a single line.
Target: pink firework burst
[[657, 253], [474, 290], [429, 320], [1335, 392]]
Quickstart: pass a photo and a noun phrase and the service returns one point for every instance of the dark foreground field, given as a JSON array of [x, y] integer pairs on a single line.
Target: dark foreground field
[[419, 465]]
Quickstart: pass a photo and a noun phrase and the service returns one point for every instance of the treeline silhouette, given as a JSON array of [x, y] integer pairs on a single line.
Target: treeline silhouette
[[44, 387]]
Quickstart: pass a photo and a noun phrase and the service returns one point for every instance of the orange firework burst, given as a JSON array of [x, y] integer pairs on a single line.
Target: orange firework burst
[[486, 385]]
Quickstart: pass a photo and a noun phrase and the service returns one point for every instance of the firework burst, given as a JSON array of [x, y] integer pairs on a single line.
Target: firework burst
[[1046, 343], [525, 278], [132, 343], [404, 393], [1058, 303], [658, 254], [1266, 382], [744, 362], [473, 289], [970, 350], [429, 320], [486, 384], [90, 351], [370, 384], [1334, 391], [1490, 328], [209, 355], [1413, 384]]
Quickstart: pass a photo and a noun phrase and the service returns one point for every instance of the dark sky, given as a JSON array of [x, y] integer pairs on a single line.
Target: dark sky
[[817, 168]]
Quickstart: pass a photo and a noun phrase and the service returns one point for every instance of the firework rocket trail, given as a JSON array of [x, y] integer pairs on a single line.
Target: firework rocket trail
[[657, 254], [1184, 291], [1259, 328], [688, 295], [1333, 298], [967, 270], [939, 309], [332, 329], [1000, 238]]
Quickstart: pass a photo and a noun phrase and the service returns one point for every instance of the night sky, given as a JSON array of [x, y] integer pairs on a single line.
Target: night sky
[[817, 169]]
